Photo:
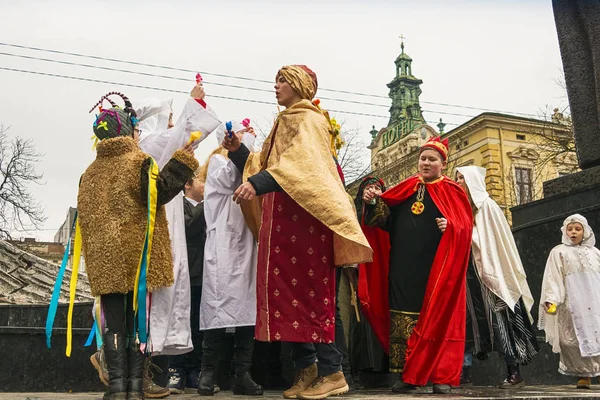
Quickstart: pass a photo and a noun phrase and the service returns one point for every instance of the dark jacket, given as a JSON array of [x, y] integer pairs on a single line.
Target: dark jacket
[[195, 234]]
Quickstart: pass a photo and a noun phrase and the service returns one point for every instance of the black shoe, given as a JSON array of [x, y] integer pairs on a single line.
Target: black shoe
[[439, 388], [191, 382], [465, 377], [244, 385], [401, 387], [206, 386], [115, 353], [136, 363], [175, 384], [513, 379]]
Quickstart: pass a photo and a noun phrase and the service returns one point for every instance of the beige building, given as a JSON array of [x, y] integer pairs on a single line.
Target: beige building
[[519, 153]]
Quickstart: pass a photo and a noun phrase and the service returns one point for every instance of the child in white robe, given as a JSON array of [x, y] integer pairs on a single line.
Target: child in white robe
[[570, 301]]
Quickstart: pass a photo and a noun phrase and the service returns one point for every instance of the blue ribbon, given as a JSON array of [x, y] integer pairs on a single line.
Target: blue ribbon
[[91, 336], [56, 292], [142, 289]]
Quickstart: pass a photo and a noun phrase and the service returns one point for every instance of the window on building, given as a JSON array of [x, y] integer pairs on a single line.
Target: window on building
[[521, 137], [523, 178], [465, 143]]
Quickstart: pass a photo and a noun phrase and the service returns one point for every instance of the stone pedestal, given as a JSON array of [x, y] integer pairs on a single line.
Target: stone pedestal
[[26, 363]]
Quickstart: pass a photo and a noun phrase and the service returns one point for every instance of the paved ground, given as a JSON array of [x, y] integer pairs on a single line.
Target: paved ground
[[530, 392]]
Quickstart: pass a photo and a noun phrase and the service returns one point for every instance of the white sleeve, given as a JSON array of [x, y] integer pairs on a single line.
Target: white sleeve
[[162, 144], [222, 175], [553, 291]]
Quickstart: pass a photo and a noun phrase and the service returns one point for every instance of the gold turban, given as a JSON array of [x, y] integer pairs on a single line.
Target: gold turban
[[301, 79]]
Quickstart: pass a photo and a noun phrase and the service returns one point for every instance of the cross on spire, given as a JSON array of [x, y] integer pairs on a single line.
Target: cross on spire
[[402, 42]]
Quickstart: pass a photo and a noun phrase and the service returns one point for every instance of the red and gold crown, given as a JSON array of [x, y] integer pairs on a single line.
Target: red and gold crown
[[438, 144]]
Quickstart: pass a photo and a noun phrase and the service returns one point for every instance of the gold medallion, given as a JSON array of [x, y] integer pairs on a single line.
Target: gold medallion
[[417, 207]]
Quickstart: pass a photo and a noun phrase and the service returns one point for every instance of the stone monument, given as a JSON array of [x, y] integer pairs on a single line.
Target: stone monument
[[536, 225]]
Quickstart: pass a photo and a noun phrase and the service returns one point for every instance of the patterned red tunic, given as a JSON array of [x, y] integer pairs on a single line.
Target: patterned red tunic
[[296, 276]]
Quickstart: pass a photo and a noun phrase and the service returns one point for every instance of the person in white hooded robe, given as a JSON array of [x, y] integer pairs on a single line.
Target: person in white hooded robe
[[229, 277], [499, 301], [570, 301], [170, 332]]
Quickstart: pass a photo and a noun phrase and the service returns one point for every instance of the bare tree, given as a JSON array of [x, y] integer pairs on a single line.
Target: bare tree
[[18, 209], [353, 157]]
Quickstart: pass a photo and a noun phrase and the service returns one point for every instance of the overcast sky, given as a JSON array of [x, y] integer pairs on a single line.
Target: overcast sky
[[498, 55]]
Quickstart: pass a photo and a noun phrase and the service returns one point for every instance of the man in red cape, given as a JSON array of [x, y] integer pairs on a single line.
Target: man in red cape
[[421, 301]]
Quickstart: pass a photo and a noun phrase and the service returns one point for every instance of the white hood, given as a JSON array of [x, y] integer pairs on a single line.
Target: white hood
[[153, 115], [248, 139], [589, 239], [475, 180]]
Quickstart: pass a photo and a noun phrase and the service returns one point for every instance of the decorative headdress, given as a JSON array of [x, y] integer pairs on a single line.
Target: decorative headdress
[[301, 78], [115, 121], [437, 144]]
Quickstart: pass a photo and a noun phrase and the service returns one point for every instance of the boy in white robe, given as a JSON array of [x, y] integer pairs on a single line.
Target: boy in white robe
[[229, 276], [570, 301]]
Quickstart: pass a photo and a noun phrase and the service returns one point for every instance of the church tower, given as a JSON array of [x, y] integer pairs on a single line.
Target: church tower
[[405, 90]]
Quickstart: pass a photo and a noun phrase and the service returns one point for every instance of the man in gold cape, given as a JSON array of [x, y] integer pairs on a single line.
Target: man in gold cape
[[307, 228]]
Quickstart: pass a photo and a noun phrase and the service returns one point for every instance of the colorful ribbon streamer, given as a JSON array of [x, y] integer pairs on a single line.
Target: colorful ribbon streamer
[[52, 308], [140, 288]]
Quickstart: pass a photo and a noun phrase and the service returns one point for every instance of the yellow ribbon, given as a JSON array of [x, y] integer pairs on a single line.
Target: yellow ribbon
[[73, 287], [95, 139]]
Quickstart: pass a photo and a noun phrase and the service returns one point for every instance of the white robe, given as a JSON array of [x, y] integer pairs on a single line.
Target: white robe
[[494, 249], [230, 254], [170, 332], [572, 283]]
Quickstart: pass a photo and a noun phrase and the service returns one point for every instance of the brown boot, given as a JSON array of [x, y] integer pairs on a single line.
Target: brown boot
[[151, 389], [325, 386], [584, 383], [97, 360], [303, 380]]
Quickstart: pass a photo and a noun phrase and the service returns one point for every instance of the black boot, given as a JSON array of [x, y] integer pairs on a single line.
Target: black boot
[[115, 353], [244, 345], [206, 386], [244, 384], [136, 359]]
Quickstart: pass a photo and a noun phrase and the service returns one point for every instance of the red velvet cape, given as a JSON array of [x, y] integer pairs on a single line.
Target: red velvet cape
[[436, 347], [373, 284]]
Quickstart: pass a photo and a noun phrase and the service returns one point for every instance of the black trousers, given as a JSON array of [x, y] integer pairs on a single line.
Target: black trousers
[[118, 312], [190, 362], [340, 336], [212, 345]]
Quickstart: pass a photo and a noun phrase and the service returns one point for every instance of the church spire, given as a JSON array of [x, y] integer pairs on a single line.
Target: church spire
[[405, 90]]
